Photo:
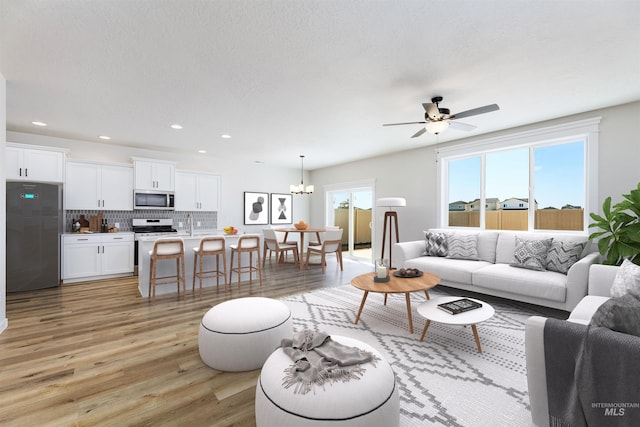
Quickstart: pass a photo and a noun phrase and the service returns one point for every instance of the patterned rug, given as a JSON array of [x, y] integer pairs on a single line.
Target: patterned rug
[[443, 380]]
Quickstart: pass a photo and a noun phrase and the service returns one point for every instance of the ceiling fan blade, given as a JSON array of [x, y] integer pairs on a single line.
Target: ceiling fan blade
[[407, 123], [462, 126], [475, 111], [420, 132], [432, 110]]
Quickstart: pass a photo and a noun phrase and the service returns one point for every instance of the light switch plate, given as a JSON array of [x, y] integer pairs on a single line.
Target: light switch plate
[[180, 224]]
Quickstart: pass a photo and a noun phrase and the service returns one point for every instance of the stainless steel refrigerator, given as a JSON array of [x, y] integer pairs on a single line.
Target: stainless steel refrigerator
[[34, 224]]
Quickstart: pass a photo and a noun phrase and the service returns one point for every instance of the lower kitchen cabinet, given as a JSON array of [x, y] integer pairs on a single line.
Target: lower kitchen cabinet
[[96, 256]]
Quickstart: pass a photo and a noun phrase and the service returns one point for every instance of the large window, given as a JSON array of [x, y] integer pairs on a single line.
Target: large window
[[543, 180]]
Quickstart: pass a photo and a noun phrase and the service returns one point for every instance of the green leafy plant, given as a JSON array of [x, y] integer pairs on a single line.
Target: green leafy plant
[[620, 237]]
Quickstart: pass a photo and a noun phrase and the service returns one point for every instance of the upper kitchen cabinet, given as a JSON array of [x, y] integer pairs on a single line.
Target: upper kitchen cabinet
[[98, 186], [154, 174], [31, 163], [197, 191]]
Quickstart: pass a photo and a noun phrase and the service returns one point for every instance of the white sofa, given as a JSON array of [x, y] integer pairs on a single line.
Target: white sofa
[[492, 274], [601, 278]]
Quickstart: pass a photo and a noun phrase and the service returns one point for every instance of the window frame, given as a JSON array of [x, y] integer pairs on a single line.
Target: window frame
[[586, 130]]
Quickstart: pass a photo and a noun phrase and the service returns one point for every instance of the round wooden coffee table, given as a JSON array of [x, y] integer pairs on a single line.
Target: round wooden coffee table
[[430, 311], [395, 285]]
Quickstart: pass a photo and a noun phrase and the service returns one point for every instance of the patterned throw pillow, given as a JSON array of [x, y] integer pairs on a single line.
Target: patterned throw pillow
[[436, 244], [562, 255], [531, 254], [463, 246], [627, 280]]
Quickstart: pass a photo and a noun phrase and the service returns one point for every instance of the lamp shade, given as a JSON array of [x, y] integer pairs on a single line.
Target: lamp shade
[[391, 202]]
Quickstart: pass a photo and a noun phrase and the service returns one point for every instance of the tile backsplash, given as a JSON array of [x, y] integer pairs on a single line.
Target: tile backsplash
[[208, 220]]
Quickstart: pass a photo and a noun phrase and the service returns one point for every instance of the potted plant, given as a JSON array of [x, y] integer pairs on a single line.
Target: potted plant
[[620, 237]]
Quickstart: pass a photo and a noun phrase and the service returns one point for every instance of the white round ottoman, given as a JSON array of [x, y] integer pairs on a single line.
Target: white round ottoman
[[240, 334], [371, 401]]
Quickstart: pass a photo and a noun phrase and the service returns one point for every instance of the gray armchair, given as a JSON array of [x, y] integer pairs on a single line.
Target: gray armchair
[[600, 280]]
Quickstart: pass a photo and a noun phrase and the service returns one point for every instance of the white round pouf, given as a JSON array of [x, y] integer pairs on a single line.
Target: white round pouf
[[371, 401], [240, 334]]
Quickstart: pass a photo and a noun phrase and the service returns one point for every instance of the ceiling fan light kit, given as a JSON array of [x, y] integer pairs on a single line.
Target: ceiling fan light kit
[[438, 120], [301, 189], [437, 127]]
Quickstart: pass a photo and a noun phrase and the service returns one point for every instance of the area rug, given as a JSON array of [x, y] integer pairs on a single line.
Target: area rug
[[443, 380]]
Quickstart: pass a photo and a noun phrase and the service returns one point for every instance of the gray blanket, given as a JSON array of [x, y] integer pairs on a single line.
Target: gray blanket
[[318, 360], [593, 375]]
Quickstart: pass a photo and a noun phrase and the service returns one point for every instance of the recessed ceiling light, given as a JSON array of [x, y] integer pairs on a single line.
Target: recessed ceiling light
[[202, 151], [225, 136], [176, 126], [104, 137], [39, 123]]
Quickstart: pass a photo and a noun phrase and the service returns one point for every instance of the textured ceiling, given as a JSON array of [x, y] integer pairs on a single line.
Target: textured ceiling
[[312, 77]]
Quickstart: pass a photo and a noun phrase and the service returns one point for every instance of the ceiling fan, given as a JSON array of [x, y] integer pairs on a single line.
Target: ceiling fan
[[437, 120]]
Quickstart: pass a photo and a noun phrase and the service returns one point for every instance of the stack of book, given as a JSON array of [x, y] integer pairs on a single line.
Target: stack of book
[[459, 306]]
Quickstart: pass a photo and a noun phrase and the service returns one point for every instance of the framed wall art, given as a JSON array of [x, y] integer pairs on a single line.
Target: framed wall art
[[281, 208], [256, 208]]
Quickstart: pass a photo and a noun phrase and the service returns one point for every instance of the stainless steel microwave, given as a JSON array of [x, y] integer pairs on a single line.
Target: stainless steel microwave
[[150, 199]]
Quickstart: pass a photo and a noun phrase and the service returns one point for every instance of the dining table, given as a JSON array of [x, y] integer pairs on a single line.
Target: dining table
[[287, 230]]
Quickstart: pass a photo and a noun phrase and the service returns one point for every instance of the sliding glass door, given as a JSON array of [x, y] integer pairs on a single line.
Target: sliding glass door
[[350, 208]]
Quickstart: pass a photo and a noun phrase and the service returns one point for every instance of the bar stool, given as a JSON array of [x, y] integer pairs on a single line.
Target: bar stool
[[210, 246], [167, 248], [246, 243]]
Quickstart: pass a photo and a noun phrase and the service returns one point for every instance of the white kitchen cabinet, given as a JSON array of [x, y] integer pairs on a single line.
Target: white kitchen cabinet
[[154, 175], [117, 254], [97, 256], [33, 164], [197, 191], [98, 186]]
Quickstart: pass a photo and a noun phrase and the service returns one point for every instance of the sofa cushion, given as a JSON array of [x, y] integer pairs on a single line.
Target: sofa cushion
[[627, 280], [562, 255], [531, 254], [436, 244], [486, 244], [451, 270], [507, 242], [463, 246], [620, 314], [547, 285]]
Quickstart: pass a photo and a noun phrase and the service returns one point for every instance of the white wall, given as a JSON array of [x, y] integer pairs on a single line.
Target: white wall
[[236, 177], [3, 209], [412, 174]]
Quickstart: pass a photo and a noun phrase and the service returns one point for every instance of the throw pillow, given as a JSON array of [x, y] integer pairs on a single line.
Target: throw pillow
[[463, 246], [621, 314], [531, 254], [436, 244], [562, 255], [627, 280]]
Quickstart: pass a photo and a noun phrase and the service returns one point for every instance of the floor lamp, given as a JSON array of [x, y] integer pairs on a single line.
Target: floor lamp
[[390, 217]]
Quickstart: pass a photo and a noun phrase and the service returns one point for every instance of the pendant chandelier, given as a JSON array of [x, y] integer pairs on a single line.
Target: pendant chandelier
[[301, 189]]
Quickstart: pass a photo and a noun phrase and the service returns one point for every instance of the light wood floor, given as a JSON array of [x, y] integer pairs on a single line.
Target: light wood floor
[[96, 353]]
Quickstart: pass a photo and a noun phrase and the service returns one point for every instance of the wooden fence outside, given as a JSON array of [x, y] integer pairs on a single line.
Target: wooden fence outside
[[545, 219]]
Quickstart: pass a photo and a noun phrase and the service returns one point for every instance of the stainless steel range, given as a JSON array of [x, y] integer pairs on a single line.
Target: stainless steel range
[[151, 228]]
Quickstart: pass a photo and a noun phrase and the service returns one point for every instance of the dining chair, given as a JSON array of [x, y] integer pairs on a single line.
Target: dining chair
[[166, 249], [209, 246], [247, 243], [272, 244], [332, 243], [321, 234]]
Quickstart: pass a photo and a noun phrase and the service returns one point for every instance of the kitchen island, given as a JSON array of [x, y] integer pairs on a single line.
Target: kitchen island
[[168, 268]]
